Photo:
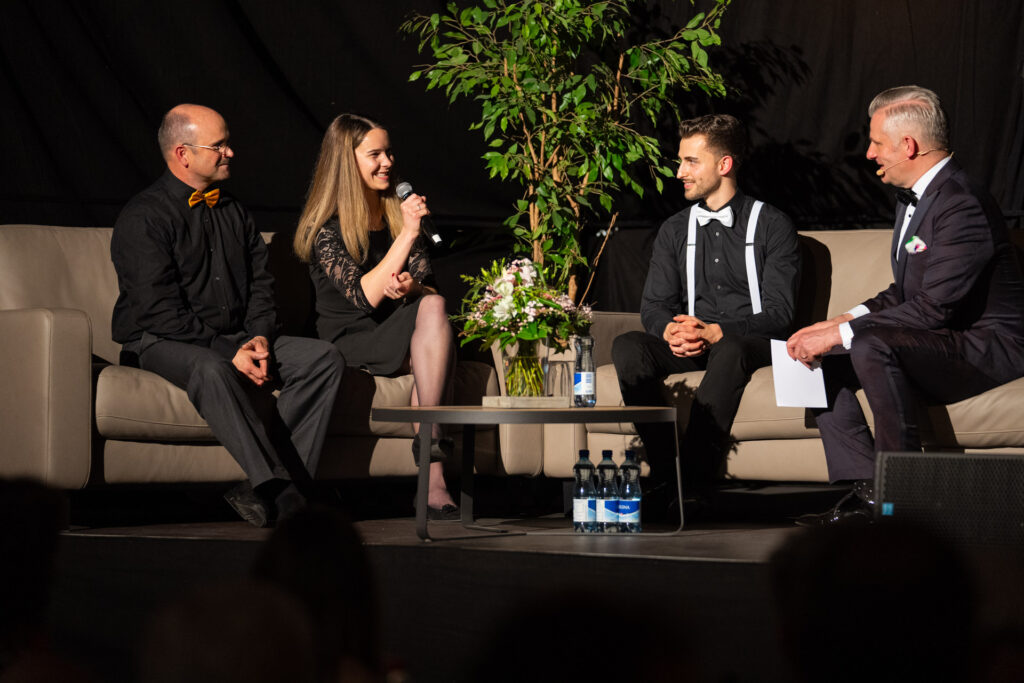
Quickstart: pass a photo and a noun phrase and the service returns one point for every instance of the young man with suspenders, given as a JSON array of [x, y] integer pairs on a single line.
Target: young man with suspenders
[[722, 282]]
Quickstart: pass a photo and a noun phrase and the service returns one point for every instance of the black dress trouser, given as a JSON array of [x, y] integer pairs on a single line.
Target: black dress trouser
[[898, 368], [642, 361], [270, 440]]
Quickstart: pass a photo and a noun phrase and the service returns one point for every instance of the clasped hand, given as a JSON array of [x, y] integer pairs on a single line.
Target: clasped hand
[[252, 360], [688, 336]]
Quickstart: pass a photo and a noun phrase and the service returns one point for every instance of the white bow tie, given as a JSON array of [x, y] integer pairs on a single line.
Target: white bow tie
[[723, 216]]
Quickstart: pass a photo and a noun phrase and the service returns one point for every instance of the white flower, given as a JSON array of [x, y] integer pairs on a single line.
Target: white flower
[[504, 288], [527, 272], [503, 309]]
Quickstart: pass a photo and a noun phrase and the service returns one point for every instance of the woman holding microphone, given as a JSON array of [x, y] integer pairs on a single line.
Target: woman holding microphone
[[374, 295]]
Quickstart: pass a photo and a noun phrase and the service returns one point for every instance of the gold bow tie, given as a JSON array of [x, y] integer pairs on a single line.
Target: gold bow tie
[[210, 197]]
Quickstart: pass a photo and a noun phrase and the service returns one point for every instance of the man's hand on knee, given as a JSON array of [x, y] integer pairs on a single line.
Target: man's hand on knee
[[252, 360], [810, 344]]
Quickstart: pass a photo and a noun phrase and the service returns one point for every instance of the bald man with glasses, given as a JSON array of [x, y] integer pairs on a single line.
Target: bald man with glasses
[[196, 307]]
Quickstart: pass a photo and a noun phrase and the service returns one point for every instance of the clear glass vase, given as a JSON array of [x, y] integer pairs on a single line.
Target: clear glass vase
[[524, 370]]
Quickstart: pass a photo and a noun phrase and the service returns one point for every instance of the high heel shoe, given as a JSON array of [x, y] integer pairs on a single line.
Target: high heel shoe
[[445, 513]]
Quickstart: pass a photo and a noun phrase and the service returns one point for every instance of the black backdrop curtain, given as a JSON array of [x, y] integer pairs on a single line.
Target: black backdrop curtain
[[83, 86]]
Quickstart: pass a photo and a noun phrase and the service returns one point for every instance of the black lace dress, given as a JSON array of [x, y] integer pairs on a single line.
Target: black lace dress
[[375, 339]]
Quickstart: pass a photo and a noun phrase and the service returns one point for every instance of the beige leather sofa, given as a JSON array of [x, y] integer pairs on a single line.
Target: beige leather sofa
[[71, 416], [841, 269]]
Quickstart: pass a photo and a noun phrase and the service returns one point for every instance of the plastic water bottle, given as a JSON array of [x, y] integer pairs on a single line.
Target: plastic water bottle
[[607, 495], [584, 386], [629, 495], [584, 496]]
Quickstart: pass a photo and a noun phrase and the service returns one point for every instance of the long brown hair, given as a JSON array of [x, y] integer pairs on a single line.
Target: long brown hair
[[338, 190]]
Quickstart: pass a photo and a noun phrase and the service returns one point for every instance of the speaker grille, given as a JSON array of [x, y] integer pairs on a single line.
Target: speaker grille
[[971, 498]]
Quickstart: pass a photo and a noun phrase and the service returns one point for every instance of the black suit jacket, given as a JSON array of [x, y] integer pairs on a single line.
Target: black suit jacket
[[968, 279]]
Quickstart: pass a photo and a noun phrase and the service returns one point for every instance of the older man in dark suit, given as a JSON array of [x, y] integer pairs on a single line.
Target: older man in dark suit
[[949, 327]]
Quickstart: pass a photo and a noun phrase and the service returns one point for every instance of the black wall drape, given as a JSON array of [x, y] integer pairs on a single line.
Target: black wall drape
[[83, 86]]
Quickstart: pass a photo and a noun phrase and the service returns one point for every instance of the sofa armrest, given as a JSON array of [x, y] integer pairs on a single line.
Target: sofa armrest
[[46, 405]]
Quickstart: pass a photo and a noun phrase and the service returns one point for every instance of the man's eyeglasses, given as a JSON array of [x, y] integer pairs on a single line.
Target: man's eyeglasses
[[219, 149]]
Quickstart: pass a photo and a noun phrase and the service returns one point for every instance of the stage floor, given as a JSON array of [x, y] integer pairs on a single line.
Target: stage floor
[[700, 600], [441, 603]]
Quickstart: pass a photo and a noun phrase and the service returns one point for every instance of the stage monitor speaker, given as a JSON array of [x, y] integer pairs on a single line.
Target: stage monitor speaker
[[969, 498]]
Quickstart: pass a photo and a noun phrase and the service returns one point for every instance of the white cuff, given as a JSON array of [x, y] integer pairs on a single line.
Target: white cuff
[[857, 311], [846, 332]]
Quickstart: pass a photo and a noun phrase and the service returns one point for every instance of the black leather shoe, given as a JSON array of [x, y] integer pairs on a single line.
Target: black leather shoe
[[855, 508], [660, 503], [248, 505], [289, 502]]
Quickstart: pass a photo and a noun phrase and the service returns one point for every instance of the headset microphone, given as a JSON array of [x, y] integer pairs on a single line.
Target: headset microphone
[[403, 190], [881, 172]]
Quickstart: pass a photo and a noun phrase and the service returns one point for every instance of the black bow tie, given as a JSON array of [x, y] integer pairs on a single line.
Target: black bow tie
[[906, 197]]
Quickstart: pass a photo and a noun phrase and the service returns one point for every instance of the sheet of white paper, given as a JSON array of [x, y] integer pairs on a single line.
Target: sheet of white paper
[[795, 385]]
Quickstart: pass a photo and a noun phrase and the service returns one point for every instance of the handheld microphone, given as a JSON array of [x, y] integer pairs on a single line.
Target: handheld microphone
[[403, 190]]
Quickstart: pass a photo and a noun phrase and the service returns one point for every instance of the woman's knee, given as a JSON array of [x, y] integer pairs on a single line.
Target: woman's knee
[[432, 311]]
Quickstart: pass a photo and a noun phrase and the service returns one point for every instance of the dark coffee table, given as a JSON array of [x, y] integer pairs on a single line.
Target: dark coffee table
[[470, 416]]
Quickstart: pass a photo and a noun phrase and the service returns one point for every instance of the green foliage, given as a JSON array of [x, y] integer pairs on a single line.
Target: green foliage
[[562, 94]]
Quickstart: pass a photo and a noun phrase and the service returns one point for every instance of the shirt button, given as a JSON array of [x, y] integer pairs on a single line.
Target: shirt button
[[716, 260], [717, 233], [718, 286], [223, 308]]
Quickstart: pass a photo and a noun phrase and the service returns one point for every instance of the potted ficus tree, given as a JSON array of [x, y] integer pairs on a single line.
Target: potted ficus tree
[[566, 89]]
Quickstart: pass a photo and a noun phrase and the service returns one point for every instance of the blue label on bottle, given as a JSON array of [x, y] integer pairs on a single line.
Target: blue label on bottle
[[629, 511], [608, 511], [583, 383], [591, 509]]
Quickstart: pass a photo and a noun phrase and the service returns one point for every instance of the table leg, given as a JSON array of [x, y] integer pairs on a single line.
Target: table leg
[[679, 476], [423, 481], [468, 454]]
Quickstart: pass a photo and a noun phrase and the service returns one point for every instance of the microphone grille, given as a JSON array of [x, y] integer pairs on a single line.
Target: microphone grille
[[403, 190]]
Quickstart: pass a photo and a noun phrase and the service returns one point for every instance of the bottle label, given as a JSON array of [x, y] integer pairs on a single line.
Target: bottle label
[[584, 510], [608, 511], [583, 384], [629, 511]]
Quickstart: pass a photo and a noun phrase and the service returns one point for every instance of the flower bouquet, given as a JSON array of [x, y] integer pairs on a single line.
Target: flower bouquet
[[511, 305]]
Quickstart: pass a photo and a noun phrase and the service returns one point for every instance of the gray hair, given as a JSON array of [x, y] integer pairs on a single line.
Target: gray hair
[[175, 128], [911, 108]]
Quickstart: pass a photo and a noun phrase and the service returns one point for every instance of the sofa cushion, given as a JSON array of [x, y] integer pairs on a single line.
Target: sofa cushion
[[137, 405], [989, 420]]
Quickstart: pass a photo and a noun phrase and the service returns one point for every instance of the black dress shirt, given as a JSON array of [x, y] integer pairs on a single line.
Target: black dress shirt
[[190, 274], [720, 273]]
